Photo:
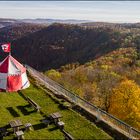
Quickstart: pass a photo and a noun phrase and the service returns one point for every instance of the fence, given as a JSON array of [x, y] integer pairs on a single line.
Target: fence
[[112, 121]]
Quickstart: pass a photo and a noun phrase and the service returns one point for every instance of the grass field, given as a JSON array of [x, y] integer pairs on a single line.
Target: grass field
[[14, 106]]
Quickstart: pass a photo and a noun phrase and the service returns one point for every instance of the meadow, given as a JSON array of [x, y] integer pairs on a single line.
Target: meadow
[[14, 106]]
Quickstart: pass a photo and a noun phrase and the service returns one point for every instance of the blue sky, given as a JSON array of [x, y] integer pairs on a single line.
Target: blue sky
[[105, 11]]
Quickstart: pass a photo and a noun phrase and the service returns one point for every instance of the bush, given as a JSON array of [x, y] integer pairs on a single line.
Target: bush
[[53, 74]]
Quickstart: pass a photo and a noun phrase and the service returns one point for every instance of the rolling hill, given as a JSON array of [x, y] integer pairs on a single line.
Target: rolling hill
[[16, 31], [61, 44]]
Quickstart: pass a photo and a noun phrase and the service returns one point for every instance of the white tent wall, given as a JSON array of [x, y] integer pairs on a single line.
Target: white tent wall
[[3, 81], [12, 69], [25, 81]]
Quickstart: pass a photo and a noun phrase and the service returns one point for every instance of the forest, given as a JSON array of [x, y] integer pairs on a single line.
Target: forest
[[111, 82]]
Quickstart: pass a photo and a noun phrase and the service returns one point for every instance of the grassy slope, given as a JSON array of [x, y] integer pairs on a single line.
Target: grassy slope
[[75, 124]]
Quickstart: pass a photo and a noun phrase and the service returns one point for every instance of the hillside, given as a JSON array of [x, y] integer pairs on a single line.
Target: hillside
[[15, 31], [60, 44], [111, 82], [18, 30], [111, 25]]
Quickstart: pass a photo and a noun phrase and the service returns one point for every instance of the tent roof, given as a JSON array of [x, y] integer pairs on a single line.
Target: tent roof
[[11, 66]]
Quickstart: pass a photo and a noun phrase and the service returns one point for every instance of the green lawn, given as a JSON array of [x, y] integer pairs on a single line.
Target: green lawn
[[14, 106]]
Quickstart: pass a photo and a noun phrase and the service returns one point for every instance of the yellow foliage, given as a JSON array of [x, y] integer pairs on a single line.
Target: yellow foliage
[[80, 76], [105, 67], [53, 74], [94, 86], [125, 102], [79, 91]]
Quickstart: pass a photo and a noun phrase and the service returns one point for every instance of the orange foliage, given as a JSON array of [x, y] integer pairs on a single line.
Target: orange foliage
[[125, 102]]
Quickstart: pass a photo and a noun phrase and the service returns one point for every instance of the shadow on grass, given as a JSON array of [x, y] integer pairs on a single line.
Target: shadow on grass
[[22, 95], [24, 110], [43, 114], [61, 107], [54, 128], [12, 112], [6, 126], [39, 126]]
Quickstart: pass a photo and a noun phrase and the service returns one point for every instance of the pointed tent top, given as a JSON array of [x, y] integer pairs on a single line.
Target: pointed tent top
[[11, 66]]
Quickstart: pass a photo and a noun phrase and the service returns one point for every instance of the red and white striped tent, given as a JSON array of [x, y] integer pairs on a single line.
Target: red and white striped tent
[[12, 75]]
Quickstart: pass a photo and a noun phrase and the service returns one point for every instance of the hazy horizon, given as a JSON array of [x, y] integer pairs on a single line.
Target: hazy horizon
[[97, 11]]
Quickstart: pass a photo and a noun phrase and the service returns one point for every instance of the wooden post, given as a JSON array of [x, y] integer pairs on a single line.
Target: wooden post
[[130, 133], [98, 115], [75, 99]]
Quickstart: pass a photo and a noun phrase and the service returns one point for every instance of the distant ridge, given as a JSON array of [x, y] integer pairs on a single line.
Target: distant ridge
[[7, 21], [50, 21]]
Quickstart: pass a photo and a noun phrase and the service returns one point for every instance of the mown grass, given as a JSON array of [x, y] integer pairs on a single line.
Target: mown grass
[[14, 106]]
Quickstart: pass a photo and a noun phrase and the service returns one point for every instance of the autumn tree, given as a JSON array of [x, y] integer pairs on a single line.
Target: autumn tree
[[90, 91], [107, 81], [125, 102]]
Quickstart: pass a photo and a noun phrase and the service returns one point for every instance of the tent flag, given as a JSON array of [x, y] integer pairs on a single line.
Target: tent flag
[[6, 47]]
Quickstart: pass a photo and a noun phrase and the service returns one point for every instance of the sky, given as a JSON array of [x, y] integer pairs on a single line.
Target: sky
[[99, 11]]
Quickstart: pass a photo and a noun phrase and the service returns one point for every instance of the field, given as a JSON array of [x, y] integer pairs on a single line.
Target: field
[[14, 106]]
